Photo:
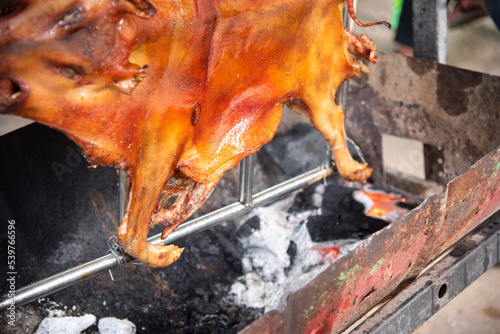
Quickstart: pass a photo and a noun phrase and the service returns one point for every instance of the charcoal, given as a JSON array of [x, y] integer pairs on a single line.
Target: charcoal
[[73, 222], [407, 205], [339, 199], [292, 252], [338, 226], [249, 227], [303, 201], [308, 147]]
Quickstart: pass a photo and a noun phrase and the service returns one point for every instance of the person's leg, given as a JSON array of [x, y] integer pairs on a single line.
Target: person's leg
[[466, 11], [404, 34], [493, 7]]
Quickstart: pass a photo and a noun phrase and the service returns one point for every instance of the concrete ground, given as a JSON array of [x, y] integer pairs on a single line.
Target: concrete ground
[[474, 46]]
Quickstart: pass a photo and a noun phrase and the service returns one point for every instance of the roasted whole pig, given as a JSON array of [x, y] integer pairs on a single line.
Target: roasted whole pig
[[177, 92]]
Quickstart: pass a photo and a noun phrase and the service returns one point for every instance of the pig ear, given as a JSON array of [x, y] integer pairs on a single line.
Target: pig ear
[[141, 8]]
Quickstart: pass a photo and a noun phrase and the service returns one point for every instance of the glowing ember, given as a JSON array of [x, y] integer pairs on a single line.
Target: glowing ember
[[381, 204], [333, 251]]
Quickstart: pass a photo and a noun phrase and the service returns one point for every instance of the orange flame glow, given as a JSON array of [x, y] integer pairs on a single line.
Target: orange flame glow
[[384, 204], [334, 251]]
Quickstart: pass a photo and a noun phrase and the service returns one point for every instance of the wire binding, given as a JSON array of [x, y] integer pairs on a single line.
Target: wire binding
[[338, 147], [117, 251], [141, 263], [324, 170]]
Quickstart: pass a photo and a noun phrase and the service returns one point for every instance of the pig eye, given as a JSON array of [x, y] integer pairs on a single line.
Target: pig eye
[[70, 71], [72, 18]]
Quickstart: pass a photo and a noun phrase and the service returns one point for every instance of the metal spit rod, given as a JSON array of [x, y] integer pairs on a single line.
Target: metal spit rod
[[75, 275]]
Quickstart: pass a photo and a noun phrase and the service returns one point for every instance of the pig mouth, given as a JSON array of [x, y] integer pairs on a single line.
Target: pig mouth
[[11, 94]]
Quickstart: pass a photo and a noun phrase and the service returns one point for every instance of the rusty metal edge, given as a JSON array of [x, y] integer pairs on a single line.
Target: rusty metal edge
[[394, 256], [431, 291]]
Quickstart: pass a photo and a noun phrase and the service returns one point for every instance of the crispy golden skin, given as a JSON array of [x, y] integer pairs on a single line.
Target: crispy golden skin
[[177, 90]]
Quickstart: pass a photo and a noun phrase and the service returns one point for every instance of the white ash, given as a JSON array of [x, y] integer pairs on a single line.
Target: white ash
[[75, 325], [269, 277], [66, 325], [317, 198], [116, 326], [363, 198], [391, 217]]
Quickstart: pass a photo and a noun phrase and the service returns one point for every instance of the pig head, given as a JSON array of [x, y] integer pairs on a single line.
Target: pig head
[[177, 92]]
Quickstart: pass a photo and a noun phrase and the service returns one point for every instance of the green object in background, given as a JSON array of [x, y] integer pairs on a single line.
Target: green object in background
[[397, 7]]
